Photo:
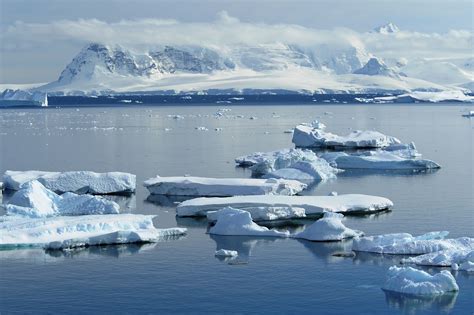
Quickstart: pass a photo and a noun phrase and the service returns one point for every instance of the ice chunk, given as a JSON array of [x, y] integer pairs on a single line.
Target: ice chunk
[[76, 230], [77, 181], [237, 222], [469, 114], [443, 258], [266, 213], [329, 228], [406, 244], [306, 136], [409, 280], [285, 157], [291, 173], [220, 187], [226, 253], [34, 200], [313, 205]]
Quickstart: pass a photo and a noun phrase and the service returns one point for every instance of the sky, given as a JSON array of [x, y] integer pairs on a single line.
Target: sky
[[38, 38]]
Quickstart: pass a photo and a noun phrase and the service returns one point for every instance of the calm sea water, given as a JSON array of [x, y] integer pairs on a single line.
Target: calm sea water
[[274, 275]]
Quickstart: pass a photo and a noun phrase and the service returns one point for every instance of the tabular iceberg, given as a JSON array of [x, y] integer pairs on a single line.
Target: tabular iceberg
[[82, 182], [417, 282], [329, 228], [74, 231], [34, 200], [221, 187], [237, 222], [314, 136], [313, 205], [266, 213]]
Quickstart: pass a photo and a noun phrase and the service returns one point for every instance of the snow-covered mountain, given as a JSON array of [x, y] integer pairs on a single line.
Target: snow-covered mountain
[[376, 66], [387, 29]]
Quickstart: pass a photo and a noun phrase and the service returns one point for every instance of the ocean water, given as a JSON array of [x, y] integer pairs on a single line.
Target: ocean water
[[273, 275]]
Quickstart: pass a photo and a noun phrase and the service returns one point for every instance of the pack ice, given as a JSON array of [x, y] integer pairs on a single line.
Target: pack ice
[[77, 231], [221, 187], [296, 164], [328, 228], [313, 205], [412, 281], [35, 201], [82, 182], [237, 222], [313, 135]]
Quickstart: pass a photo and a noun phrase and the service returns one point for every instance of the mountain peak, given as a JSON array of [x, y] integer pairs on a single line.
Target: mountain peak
[[388, 28], [376, 66]]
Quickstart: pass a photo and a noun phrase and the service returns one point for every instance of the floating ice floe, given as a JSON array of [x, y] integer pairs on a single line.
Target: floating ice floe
[[412, 281], [328, 228], [81, 182], [458, 259], [237, 222], [221, 187], [226, 253], [469, 114], [406, 244], [75, 231], [260, 214], [386, 159], [314, 136], [36, 201], [313, 205]]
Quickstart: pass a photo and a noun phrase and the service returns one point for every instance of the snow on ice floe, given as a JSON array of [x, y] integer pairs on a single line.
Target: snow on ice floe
[[36, 201], [296, 164], [313, 135], [77, 231], [394, 157], [412, 281], [226, 253], [406, 244], [313, 205], [76, 181], [328, 228], [456, 258], [221, 187], [237, 222], [260, 214]]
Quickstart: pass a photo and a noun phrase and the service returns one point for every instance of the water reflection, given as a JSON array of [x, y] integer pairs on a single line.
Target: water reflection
[[325, 250], [127, 203], [167, 201], [411, 304]]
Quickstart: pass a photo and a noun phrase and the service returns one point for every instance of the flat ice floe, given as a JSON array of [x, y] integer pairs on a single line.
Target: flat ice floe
[[237, 222], [458, 259], [75, 231], [34, 200], [226, 253], [313, 205], [409, 280], [328, 228], [82, 182], [314, 136], [221, 187], [406, 244], [259, 214]]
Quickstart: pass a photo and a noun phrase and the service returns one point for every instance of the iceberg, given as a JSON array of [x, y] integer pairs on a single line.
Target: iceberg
[[314, 136], [237, 222], [469, 114], [406, 244], [427, 96], [329, 228], [260, 214], [313, 205], [444, 258], [221, 187], [35, 201], [226, 253], [82, 182], [74, 231], [15, 98], [412, 281]]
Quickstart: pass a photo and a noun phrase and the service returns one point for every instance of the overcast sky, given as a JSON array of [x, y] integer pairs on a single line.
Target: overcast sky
[[29, 54]]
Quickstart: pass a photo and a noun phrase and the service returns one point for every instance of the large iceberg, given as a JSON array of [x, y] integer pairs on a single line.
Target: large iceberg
[[412, 281], [74, 231], [237, 222], [12, 98], [82, 182], [221, 187], [259, 214], [328, 228], [314, 136], [34, 200], [313, 205], [406, 244]]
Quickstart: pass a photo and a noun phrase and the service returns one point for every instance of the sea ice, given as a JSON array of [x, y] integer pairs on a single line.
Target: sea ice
[[226, 253], [444, 258], [313, 205], [221, 187], [314, 136], [328, 228], [237, 222], [409, 280], [81, 182], [266, 213], [34, 200]]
